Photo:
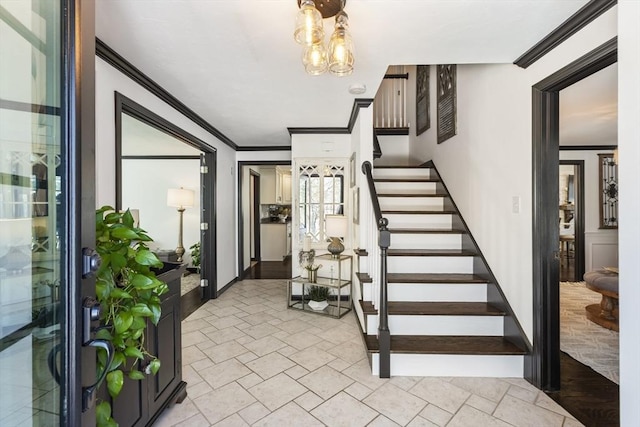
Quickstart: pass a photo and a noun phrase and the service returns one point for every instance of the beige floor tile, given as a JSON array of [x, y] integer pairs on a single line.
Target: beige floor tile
[[277, 391], [421, 422], [468, 416], [221, 403], [339, 364], [293, 326], [195, 421], [523, 393], [489, 388], [351, 352], [301, 340], [296, 372], [382, 421], [261, 331], [194, 325], [361, 372], [190, 376], [287, 350], [225, 351], [397, 404], [225, 322], [569, 422], [198, 389], [405, 383], [440, 393], [227, 334], [246, 357], [546, 402], [436, 415], [270, 365], [250, 380], [224, 373], [325, 382], [309, 400], [181, 412], [191, 354], [202, 364], [485, 405], [311, 358], [290, 415], [264, 345], [358, 391], [344, 410], [523, 414], [232, 421], [193, 338], [254, 412]]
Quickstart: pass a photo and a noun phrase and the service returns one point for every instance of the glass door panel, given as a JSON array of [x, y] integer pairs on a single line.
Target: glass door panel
[[31, 215]]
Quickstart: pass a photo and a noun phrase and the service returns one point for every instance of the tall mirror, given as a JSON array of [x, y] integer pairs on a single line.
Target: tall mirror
[[160, 178]]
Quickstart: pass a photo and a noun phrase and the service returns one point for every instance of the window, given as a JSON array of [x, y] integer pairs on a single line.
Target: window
[[320, 192]]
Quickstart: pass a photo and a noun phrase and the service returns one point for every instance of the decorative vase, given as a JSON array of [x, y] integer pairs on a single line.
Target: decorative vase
[[313, 276], [318, 305]]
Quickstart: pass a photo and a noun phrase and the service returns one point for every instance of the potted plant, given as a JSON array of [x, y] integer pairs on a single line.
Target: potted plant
[[195, 256], [129, 294], [318, 297]]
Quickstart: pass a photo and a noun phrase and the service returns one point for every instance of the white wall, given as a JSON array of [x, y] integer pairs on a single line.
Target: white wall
[[488, 162], [108, 80], [601, 246], [148, 192], [629, 152]]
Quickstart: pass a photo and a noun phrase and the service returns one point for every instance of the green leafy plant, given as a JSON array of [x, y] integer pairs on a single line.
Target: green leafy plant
[[195, 255], [318, 293], [129, 294]]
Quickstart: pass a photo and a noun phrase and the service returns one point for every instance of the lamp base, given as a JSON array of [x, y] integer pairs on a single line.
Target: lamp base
[[335, 247]]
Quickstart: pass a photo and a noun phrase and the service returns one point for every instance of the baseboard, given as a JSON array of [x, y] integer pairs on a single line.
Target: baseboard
[[227, 286]]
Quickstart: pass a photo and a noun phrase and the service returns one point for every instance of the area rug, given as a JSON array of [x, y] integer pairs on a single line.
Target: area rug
[[582, 339]]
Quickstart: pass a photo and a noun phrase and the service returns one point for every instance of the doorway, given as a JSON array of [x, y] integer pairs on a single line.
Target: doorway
[[543, 365], [571, 220]]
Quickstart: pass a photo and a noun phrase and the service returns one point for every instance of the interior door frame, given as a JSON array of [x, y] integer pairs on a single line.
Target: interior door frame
[[579, 227], [255, 177], [208, 181], [542, 366], [239, 167]]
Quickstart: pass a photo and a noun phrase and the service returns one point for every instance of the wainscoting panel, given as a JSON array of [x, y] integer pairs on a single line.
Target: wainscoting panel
[[601, 249]]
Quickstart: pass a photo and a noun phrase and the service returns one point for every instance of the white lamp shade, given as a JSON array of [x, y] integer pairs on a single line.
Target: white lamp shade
[[335, 225], [180, 198]]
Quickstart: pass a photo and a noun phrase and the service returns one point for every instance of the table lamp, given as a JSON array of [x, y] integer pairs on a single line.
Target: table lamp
[[335, 228], [181, 199]]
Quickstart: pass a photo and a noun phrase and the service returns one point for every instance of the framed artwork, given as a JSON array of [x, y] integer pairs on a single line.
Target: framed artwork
[[352, 170], [423, 113], [356, 205], [447, 108], [608, 173]]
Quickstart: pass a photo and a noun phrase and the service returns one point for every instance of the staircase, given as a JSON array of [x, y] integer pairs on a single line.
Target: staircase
[[446, 312]]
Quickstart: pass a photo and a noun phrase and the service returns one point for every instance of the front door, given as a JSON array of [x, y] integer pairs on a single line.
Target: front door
[[46, 209]]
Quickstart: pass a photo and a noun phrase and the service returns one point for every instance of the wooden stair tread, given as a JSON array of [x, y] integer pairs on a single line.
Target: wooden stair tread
[[434, 278], [401, 179], [364, 278], [412, 195], [419, 212], [430, 252], [424, 231], [446, 344], [413, 308]]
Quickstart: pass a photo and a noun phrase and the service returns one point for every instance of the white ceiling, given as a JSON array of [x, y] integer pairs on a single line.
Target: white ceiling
[[235, 63], [589, 110]]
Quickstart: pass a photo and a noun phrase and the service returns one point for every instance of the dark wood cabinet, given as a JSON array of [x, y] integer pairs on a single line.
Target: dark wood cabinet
[[140, 403]]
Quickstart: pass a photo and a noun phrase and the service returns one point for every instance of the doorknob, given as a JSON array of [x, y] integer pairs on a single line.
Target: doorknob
[[90, 262]]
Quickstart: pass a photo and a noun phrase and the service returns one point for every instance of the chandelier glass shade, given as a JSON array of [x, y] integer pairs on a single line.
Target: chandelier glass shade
[[339, 57], [309, 28]]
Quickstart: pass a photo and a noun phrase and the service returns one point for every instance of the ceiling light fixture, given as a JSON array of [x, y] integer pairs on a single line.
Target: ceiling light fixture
[[309, 31]]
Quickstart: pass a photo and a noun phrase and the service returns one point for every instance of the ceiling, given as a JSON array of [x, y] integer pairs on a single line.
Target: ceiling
[[235, 63]]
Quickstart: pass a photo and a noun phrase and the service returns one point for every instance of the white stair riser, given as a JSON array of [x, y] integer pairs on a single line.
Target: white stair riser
[[404, 173], [406, 187], [423, 222], [452, 365], [436, 292], [428, 264], [426, 241], [411, 203], [439, 325]]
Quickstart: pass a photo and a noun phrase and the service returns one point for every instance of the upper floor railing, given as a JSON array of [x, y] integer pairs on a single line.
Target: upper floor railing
[[390, 102]]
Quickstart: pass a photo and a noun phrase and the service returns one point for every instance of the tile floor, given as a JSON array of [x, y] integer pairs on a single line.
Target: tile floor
[[250, 361]]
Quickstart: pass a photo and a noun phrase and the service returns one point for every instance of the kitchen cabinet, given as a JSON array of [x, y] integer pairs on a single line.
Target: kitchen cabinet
[[283, 185], [268, 186], [275, 242]]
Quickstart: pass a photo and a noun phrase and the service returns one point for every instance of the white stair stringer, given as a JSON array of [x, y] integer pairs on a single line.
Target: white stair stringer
[[452, 365]]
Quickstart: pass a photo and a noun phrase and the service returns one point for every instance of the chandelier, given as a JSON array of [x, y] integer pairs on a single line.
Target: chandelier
[[309, 32]]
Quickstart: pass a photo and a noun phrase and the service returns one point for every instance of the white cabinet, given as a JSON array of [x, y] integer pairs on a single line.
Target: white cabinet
[[268, 186], [283, 185], [273, 241]]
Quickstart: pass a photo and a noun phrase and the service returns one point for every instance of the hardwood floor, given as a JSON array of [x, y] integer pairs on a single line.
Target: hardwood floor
[[591, 398], [270, 270]]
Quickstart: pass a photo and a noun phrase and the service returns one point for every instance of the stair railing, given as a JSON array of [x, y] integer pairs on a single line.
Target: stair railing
[[384, 241]]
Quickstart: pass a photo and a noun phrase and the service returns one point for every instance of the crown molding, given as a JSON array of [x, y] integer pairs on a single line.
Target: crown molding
[[355, 110]]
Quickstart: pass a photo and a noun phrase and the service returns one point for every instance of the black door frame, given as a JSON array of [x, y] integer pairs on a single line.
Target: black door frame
[[578, 217], [542, 366], [208, 181], [255, 209], [240, 166]]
